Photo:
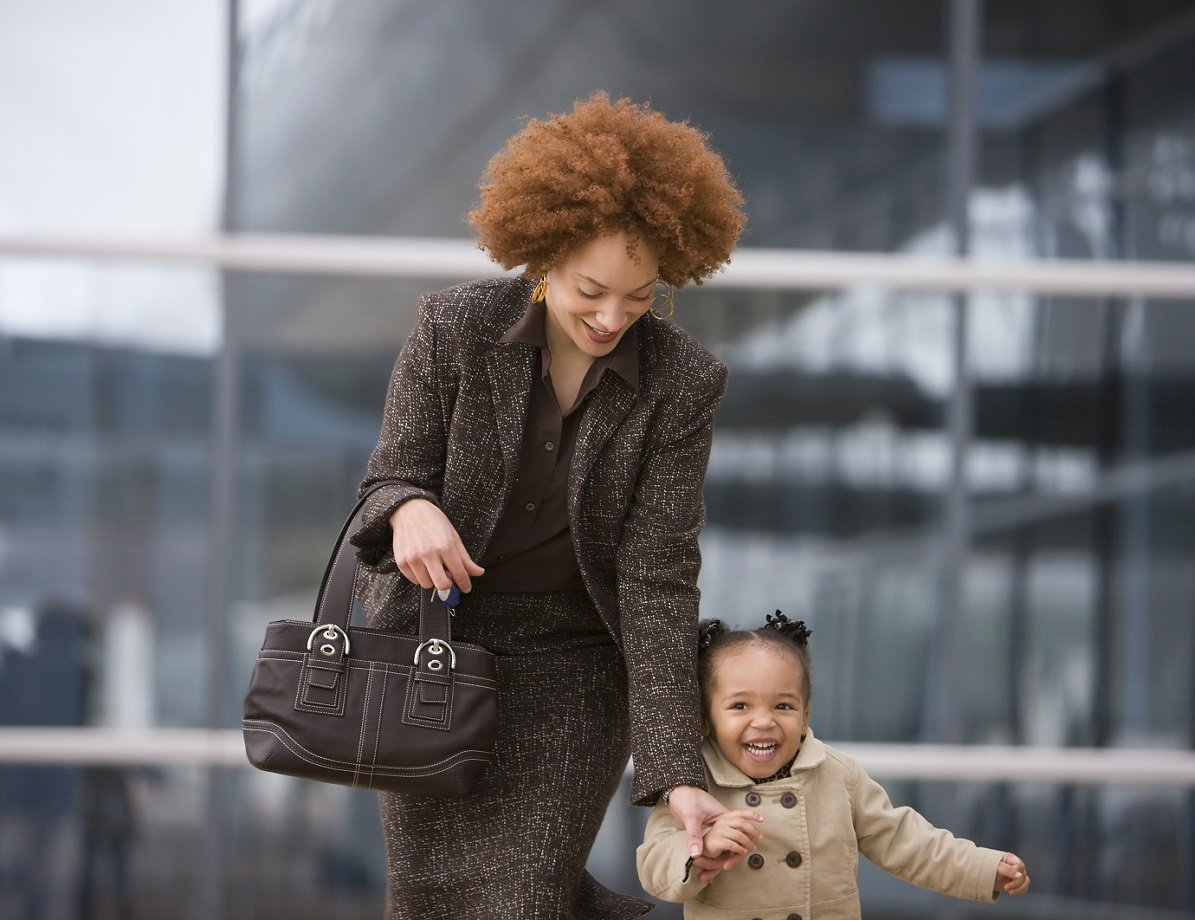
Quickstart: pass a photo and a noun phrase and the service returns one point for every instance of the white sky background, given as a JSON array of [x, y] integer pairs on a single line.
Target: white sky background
[[113, 116]]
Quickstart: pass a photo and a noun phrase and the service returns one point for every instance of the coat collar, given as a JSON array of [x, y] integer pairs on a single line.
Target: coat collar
[[724, 773]]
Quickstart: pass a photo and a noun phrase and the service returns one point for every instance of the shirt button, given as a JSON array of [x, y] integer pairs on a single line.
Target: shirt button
[[752, 799], [788, 800], [755, 861], [530, 506], [793, 859], [548, 445]]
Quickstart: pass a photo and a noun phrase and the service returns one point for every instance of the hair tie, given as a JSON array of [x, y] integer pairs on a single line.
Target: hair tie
[[790, 629], [707, 632]]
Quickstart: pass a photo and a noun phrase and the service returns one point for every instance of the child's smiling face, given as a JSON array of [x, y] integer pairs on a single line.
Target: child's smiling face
[[755, 706]]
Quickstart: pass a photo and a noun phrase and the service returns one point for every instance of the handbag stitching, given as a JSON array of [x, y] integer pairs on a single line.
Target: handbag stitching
[[440, 766], [472, 680], [410, 717], [364, 718], [377, 736], [303, 703]]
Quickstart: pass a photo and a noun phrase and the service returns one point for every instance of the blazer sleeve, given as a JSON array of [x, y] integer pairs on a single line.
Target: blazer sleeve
[[658, 562], [662, 860], [412, 447], [902, 842]]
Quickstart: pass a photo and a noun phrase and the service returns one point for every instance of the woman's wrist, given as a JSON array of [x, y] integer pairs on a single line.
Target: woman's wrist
[[667, 793]]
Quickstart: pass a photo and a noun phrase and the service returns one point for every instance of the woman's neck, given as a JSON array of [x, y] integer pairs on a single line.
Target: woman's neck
[[568, 366]]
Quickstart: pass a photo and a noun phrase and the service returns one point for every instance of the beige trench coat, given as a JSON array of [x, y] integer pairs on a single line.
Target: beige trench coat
[[816, 823]]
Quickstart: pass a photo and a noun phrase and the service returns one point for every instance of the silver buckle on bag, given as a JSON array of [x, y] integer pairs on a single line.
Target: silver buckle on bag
[[329, 631], [436, 647]]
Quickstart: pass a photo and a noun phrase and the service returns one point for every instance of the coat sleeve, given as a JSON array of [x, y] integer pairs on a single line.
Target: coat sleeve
[[902, 842], [412, 447], [663, 859], [658, 562]]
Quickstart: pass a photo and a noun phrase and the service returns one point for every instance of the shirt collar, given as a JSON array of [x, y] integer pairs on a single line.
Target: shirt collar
[[623, 360]]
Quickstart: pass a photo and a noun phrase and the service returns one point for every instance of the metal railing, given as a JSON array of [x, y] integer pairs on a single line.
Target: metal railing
[[772, 269]]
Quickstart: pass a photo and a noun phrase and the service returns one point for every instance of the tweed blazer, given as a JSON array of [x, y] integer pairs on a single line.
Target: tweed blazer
[[452, 433], [816, 823]]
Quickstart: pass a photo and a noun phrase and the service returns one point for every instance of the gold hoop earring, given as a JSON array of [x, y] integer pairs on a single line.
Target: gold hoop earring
[[540, 294], [662, 304]]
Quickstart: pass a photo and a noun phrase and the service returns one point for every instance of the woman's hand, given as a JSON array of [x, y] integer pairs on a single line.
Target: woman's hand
[[427, 548]]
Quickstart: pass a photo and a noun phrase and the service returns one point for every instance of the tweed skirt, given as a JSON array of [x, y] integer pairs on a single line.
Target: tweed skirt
[[516, 848]]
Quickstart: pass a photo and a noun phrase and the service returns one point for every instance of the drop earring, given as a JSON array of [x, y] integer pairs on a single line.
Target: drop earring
[[540, 294], [662, 305]]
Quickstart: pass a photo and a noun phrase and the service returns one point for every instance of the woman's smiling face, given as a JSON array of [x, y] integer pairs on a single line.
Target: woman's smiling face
[[755, 706], [597, 294]]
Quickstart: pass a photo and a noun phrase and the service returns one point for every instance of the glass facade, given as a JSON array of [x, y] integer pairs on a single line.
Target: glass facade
[[179, 445]]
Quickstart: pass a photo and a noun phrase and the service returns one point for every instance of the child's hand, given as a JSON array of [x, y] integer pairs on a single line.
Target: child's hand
[[1011, 876], [732, 833]]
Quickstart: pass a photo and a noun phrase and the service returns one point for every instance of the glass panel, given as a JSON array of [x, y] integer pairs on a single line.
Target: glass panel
[[126, 598], [1094, 157], [405, 104]]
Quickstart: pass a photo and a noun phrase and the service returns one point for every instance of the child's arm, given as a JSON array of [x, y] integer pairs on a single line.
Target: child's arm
[[1011, 876], [665, 869], [902, 842]]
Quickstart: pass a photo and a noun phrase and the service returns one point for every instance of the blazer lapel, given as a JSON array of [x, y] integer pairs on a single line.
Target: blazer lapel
[[510, 369], [608, 406]]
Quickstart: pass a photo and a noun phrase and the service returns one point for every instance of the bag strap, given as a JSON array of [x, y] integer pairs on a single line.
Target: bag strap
[[334, 604]]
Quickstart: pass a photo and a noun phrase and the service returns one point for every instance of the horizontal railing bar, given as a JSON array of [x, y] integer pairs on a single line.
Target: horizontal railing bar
[[956, 763], [751, 268]]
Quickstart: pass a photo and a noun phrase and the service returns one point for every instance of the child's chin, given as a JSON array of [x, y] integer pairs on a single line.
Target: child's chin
[[755, 770]]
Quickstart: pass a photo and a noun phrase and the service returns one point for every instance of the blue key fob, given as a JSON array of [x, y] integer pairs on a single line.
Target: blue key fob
[[451, 597]]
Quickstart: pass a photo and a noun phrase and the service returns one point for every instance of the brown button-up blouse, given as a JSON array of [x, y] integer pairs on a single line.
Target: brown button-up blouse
[[532, 549]]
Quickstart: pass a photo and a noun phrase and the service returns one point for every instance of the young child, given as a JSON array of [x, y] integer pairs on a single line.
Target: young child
[[800, 811]]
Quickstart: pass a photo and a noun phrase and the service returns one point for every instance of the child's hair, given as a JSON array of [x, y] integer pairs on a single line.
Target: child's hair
[[714, 637]]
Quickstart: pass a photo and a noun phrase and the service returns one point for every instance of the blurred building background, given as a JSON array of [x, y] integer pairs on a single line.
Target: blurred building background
[[982, 503]]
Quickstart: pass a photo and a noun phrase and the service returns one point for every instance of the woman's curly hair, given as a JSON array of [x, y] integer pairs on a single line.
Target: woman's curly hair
[[605, 167]]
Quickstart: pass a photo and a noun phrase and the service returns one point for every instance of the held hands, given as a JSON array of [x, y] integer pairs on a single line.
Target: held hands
[[1011, 876], [695, 809], [732, 833], [427, 548]]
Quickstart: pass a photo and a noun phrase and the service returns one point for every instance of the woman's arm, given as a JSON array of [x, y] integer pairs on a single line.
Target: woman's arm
[[658, 562], [412, 446]]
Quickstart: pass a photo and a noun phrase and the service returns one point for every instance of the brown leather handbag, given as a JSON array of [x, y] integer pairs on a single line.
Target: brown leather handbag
[[371, 708]]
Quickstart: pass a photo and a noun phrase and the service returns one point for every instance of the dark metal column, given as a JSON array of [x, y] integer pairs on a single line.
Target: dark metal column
[[943, 707], [214, 880]]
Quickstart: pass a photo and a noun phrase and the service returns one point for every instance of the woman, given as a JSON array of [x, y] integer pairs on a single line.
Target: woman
[[547, 438]]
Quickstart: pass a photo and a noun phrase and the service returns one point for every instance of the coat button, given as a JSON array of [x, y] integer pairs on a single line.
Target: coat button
[[753, 799], [548, 445], [788, 800], [793, 859], [755, 861], [530, 506]]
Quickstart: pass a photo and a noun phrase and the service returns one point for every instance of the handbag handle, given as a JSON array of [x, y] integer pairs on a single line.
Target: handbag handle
[[334, 604]]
